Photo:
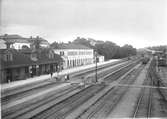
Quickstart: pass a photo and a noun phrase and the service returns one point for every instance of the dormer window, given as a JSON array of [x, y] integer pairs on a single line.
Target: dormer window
[[8, 57]]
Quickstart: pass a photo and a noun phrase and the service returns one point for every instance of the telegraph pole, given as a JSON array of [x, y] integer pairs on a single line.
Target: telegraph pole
[[96, 67]]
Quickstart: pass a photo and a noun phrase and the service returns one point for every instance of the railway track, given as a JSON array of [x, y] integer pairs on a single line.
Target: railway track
[[143, 108], [20, 95], [144, 104], [45, 101], [119, 72], [35, 110], [69, 107], [88, 71], [9, 96], [104, 105], [103, 73], [62, 109]]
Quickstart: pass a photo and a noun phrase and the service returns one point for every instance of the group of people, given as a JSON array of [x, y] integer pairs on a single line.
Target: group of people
[[67, 77]]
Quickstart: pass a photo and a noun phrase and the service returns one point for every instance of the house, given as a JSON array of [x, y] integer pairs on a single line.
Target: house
[[15, 41], [18, 42]]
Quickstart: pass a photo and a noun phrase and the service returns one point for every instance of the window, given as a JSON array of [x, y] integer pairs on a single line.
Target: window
[[61, 53], [26, 70], [8, 57], [72, 53]]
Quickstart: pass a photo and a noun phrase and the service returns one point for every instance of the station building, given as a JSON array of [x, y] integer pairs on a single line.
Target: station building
[[75, 55], [23, 64]]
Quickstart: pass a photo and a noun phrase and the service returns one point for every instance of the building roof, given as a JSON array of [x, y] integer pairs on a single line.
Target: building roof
[[21, 59], [19, 39], [11, 36], [73, 46], [14, 38]]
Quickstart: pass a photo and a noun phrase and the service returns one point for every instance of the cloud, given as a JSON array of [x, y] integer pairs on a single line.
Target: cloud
[[136, 22], [24, 30]]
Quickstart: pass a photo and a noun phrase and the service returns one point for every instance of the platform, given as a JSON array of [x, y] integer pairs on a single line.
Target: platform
[[47, 77]]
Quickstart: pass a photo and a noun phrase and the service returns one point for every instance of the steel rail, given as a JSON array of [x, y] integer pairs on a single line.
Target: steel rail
[[102, 104], [36, 105], [6, 96], [149, 100], [75, 99], [58, 115]]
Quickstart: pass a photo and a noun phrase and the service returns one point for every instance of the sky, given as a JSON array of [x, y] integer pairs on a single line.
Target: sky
[[140, 23]]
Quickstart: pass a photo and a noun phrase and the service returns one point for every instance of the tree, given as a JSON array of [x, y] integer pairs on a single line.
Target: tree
[[82, 41], [35, 42], [55, 45], [108, 49]]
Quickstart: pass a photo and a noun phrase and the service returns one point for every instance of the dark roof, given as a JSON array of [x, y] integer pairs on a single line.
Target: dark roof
[[19, 39], [11, 36], [21, 59], [73, 46], [14, 38]]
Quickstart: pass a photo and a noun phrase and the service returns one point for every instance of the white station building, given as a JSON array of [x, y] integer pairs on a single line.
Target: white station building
[[75, 55]]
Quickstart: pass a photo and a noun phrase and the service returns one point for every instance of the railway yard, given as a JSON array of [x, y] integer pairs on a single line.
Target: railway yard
[[123, 89]]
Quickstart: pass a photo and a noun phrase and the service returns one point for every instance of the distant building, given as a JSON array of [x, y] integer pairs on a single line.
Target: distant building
[[100, 58], [2, 44], [18, 42], [25, 63], [75, 55], [15, 41]]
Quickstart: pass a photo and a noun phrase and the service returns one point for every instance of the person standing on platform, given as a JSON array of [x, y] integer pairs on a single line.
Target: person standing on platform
[[51, 74], [68, 78]]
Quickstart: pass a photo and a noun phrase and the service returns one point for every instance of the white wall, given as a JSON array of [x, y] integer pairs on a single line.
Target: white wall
[[19, 45], [76, 57], [44, 45], [2, 44], [101, 58]]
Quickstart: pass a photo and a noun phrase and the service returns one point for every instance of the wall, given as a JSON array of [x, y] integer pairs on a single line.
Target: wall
[[19, 45], [100, 58], [75, 57]]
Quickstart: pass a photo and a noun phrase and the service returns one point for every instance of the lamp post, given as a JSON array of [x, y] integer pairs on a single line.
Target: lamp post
[[96, 67]]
